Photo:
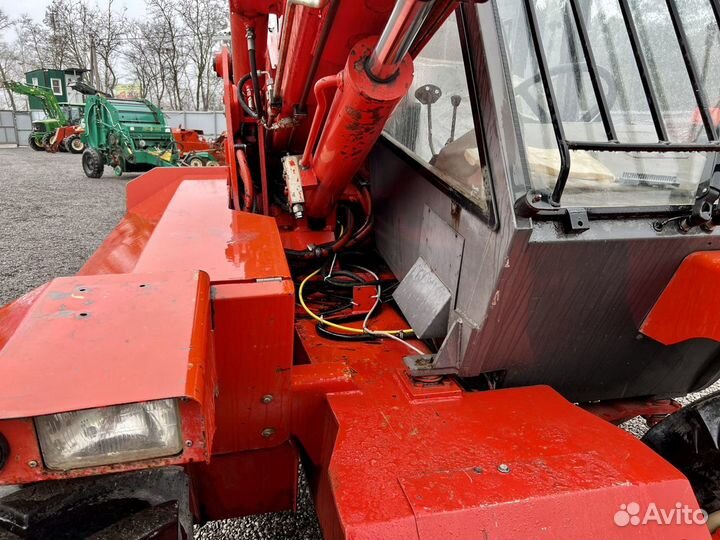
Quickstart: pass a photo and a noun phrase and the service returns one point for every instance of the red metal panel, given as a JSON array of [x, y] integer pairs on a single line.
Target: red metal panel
[[12, 315], [147, 199], [198, 231], [68, 354], [310, 384], [422, 462], [159, 185], [543, 498], [122, 247], [687, 308], [398, 460], [254, 343], [245, 483]]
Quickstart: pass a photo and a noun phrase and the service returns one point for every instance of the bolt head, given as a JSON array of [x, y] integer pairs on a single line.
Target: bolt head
[[32, 464], [266, 399], [504, 468], [268, 432], [188, 443]]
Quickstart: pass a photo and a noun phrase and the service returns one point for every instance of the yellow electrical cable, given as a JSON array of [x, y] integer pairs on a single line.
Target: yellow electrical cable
[[409, 331]]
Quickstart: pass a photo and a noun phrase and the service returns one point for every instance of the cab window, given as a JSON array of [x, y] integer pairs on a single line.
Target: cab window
[[434, 122], [613, 179]]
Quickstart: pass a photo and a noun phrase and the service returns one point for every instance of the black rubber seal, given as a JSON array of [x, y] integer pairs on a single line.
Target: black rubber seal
[[4, 451]]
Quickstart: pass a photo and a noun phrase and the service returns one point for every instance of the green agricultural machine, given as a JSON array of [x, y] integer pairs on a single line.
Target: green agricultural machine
[[58, 116], [131, 135]]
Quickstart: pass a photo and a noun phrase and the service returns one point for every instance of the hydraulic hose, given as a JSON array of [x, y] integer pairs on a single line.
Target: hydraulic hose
[[241, 97], [366, 228], [246, 177], [326, 250], [253, 71]]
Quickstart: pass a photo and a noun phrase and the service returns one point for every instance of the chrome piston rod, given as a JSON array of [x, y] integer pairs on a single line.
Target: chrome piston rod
[[403, 26]]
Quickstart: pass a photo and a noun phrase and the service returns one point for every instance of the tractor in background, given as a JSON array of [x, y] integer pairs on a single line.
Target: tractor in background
[[62, 129], [131, 135]]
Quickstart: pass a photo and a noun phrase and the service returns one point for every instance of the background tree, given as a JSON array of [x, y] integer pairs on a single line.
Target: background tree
[[163, 54]]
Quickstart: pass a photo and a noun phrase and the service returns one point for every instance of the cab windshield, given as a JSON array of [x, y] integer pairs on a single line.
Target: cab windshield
[[650, 118], [74, 113]]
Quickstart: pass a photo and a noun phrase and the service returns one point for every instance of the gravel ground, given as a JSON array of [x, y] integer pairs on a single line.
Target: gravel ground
[[52, 218]]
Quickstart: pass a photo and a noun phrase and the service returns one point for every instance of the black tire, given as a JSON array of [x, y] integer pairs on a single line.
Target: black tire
[[34, 144], [93, 163], [46, 141], [75, 145]]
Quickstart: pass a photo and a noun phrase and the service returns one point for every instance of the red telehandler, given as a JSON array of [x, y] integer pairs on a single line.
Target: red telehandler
[[455, 245]]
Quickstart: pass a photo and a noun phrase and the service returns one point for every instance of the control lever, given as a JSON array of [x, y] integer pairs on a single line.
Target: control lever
[[455, 101], [428, 94]]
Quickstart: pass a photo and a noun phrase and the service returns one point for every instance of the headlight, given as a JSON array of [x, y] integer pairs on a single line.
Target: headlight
[[110, 435]]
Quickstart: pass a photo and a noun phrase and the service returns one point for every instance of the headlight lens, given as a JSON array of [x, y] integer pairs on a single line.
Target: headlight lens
[[109, 435]]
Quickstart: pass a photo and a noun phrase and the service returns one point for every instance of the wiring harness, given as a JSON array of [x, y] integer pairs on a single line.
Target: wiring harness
[[332, 297]]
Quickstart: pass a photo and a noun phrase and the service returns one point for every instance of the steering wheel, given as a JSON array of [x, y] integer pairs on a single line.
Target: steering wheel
[[522, 90]]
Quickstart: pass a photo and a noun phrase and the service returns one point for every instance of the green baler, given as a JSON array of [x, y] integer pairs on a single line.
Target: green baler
[[130, 135]]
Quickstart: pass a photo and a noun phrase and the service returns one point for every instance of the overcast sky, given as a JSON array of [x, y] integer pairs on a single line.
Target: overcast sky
[[36, 10]]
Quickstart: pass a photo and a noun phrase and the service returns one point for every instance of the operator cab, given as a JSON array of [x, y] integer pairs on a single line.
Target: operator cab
[[74, 113], [561, 167]]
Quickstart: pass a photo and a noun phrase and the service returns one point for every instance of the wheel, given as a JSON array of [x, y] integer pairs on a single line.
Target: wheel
[[689, 439], [212, 163], [46, 141], [33, 143], [196, 162], [75, 144], [93, 163]]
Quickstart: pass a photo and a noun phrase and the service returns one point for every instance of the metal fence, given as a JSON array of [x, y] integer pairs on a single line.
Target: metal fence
[[15, 127], [212, 123]]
